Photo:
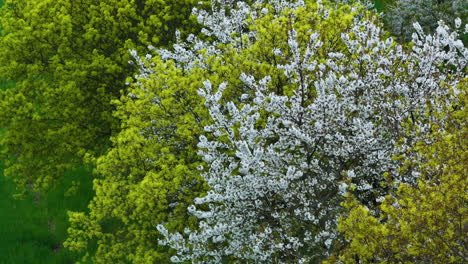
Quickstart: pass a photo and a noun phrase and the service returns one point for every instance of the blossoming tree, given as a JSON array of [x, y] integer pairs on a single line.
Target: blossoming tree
[[301, 99], [276, 161]]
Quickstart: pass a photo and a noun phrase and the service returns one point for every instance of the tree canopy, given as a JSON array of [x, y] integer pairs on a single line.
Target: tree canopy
[[68, 60]]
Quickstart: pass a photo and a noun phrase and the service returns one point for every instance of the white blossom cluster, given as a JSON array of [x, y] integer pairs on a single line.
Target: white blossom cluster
[[227, 22], [277, 164]]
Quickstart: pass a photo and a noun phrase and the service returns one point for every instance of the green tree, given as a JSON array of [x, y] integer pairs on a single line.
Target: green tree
[[68, 60], [424, 223]]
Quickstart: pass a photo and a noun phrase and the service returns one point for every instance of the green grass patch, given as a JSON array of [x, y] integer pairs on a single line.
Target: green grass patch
[[32, 230]]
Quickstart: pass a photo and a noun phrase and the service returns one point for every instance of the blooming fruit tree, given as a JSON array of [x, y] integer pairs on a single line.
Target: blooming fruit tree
[[277, 157]]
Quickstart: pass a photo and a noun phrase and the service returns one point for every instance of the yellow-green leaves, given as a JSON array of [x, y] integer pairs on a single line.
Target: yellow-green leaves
[[150, 174], [68, 60]]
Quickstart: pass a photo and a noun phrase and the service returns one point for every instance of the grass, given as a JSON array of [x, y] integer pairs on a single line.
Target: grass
[[31, 231]]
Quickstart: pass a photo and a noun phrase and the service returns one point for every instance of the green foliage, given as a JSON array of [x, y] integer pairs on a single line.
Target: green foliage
[[426, 223], [68, 60]]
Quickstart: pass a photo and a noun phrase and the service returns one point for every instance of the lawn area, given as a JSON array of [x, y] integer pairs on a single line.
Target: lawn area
[[32, 231]]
